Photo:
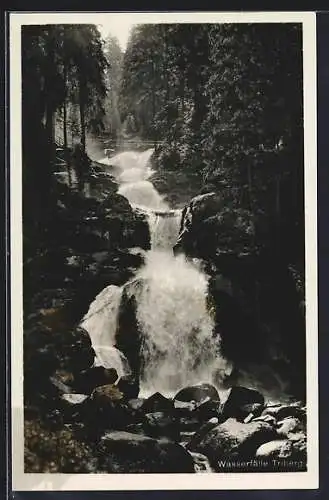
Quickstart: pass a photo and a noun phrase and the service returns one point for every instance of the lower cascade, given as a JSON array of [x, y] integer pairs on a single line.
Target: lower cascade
[[177, 330], [178, 348]]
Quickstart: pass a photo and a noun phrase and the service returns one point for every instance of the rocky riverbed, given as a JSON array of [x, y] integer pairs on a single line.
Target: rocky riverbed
[[85, 419]]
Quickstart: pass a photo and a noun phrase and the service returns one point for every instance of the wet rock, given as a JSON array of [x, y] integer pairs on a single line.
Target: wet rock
[[257, 305], [201, 463], [128, 336], [62, 380], [275, 449], [197, 393], [76, 350], [284, 449], [134, 407], [195, 405], [106, 409], [299, 444], [125, 228], [234, 439], [87, 380], [290, 426], [243, 402], [136, 404], [202, 431], [161, 424], [207, 224], [125, 452], [188, 422], [75, 399], [207, 410], [265, 418], [115, 202], [157, 403], [282, 411], [106, 393], [184, 407], [129, 386], [136, 428]]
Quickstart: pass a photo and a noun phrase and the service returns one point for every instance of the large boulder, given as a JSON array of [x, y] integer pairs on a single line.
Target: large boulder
[[129, 386], [233, 439], [208, 226], [157, 403], [106, 409], [196, 404], [208, 410], [105, 394], [197, 393], [124, 452], [282, 411], [124, 226], [284, 449], [47, 352], [161, 424], [243, 402], [87, 380], [290, 426], [256, 296], [112, 219], [128, 335]]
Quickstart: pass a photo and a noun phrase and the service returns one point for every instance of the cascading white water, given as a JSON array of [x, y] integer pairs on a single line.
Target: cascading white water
[[178, 348], [100, 321], [104, 310], [164, 228], [142, 194]]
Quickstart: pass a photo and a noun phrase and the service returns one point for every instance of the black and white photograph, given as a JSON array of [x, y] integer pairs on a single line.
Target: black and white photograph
[[163, 193]]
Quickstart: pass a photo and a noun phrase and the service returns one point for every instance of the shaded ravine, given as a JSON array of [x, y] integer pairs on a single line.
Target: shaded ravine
[[178, 347]]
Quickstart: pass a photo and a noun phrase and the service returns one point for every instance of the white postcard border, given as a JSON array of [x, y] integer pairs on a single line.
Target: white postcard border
[[206, 481]]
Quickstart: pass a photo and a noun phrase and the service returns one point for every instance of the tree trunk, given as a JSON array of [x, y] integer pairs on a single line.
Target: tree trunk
[[49, 92], [166, 73], [65, 139], [83, 124], [64, 126], [82, 106], [153, 98]]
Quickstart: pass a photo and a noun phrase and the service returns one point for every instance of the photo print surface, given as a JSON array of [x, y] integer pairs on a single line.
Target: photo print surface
[[165, 309]]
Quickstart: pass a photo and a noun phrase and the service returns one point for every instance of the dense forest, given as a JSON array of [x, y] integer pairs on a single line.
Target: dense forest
[[226, 101], [221, 105]]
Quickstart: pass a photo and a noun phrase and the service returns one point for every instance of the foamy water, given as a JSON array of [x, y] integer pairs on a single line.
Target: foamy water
[[178, 347]]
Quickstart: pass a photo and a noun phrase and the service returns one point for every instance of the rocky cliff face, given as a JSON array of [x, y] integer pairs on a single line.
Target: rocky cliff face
[[257, 306], [88, 247]]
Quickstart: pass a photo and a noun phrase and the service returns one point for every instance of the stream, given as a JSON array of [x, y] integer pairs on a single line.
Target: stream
[[178, 348]]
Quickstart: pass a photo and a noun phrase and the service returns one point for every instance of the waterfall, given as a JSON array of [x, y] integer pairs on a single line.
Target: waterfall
[[164, 228], [142, 194], [178, 347]]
